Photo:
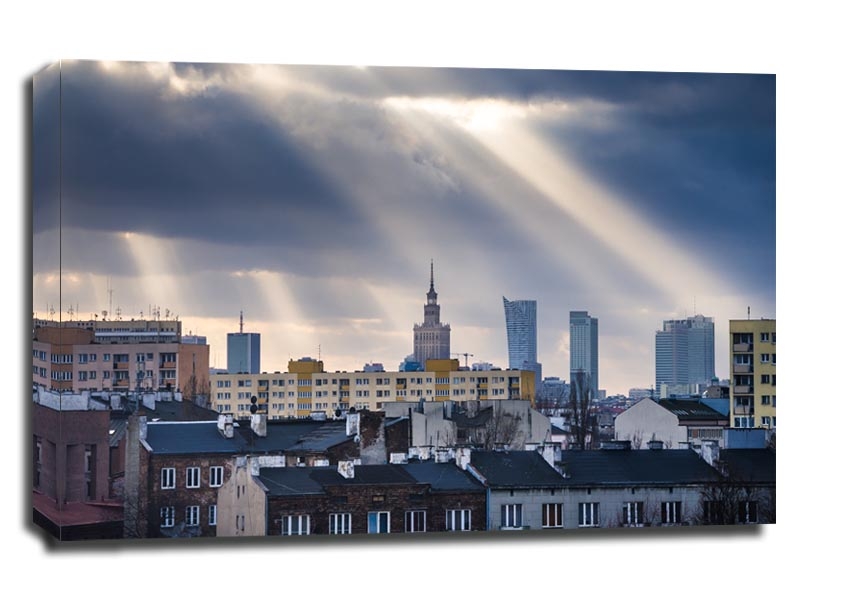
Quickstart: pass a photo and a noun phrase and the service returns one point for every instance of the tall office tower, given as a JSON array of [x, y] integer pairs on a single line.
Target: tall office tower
[[521, 325], [431, 337], [584, 347], [753, 373], [684, 356], [243, 351]]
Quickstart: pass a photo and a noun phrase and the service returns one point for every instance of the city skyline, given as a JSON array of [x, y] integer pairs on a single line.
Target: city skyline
[[313, 198]]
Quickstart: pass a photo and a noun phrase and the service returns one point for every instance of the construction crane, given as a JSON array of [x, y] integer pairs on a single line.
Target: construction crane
[[466, 356]]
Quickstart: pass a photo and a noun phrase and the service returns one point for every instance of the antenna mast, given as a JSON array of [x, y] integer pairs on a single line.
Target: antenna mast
[[242, 321]]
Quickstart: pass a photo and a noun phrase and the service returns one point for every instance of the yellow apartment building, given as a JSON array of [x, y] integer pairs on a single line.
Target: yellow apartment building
[[307, 388], [753, 373]]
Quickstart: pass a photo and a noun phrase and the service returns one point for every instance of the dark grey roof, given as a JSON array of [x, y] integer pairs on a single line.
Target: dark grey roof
[[463, 420], [365, 475], [750, 464], [635, 467], [687, 410], [178, 411], [290, 481], [327, 435], [515, 469], [443, 476], [203, 437]]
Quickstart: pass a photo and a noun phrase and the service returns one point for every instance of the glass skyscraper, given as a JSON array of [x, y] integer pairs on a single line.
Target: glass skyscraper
[[521, 325], [584, 347], [684, 354]]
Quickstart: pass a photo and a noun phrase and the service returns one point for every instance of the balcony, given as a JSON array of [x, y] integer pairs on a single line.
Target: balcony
[[743, 389], [743, 410], [743, 347], [743, 368]]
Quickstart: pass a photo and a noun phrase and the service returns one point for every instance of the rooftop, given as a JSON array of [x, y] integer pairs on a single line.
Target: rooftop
[[515, 469], [635, 467]]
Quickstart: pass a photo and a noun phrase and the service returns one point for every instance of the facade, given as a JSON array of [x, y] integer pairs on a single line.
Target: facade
[[525, 490], [521, 326], [70, 359], [685, 354], [672, 422], [132, 331], [307, 388], [349, 499], [431, 337], [584, 348], [753, 373], [243, 352]]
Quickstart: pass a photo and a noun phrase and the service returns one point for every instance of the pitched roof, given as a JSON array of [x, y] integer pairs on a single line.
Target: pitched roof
[[443, 476], [635, 467], [328, 435], [203, 437], [691, 410], [515, 469], [750, 464]]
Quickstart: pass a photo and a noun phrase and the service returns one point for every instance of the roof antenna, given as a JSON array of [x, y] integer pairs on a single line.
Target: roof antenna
[[242, 321], [749, 313]]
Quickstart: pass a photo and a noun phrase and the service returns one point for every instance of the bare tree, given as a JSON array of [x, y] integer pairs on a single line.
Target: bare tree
[[501, 429], [732, 500], [580, 401]]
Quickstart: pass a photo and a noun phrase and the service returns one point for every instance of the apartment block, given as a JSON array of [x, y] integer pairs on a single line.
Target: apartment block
[[307, 388], [753, 388]]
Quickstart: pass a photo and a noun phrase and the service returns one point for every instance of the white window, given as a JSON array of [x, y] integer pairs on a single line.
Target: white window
[[415, 521], [764, 337], [552, 515], [588, 514], [766, 421], [511, 516], [670, 513], [458, 519], [296, 525], [168, 478], [212, 514], [340, 523], [215, 476], [192, 477], [632, 514], [764, 358], [378, 522], [167, 516], [192, 516]]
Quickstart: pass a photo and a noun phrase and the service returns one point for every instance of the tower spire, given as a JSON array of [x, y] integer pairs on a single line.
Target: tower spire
[[432, 274]]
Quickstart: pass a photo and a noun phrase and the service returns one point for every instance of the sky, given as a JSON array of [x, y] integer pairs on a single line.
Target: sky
[[314, 198]]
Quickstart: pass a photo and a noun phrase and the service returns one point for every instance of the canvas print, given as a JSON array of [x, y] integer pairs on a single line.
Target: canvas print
[[287, 300]]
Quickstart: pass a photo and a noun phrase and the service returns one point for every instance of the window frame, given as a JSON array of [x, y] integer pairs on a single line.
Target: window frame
[[192, 473], [455, 516], [412, 524], [168, 474], [167, 516], [377, 514], [552, 509], [588, 514], [215, 473], [511, 515], [671, 512], [633, 513], [212, 515], [192, 515], [340, 523], [287, 521]]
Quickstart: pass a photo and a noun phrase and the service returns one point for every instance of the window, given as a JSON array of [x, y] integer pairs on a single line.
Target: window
[[212, 514], [764, 358], [553, 515], [765, 379], [766, 399], [378, 522], [511, 516], [340, 523], [215, 476], [743, 422], [296, 525], [458, 519], [766, 421], [713, 513], [670, 513], [167, 516], [168, 478], [632, 514], [192, 477], [588, 514], [192, 516], [764, 337], [415, 521]]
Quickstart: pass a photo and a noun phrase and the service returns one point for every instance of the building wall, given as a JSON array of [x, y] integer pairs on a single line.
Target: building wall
[[751, 364], [647, 420], [152, 497], [243, 352], [584, 347], [65, 437], [296, 394], [611, 501], [241, 503], [532, 501], [685, 352]]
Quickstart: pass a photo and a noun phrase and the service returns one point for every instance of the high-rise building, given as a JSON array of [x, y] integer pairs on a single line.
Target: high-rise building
[[243, 351], [684, 356], [753, 373], [521, 326], [431, 337], [584, 347]]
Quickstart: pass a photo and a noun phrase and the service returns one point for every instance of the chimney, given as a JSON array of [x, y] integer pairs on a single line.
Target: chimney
[[259, 425], [346, 468], [710, 452], [616, 445], [225, 425], [142, 428], [463, 457], [655, 445], [548, 452], [353, 423]]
